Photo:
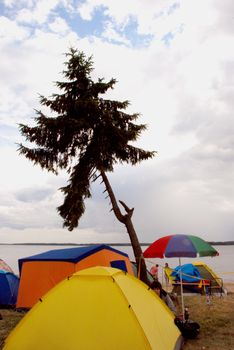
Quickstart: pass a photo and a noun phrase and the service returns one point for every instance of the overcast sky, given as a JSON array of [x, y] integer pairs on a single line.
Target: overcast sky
[[173, 61]]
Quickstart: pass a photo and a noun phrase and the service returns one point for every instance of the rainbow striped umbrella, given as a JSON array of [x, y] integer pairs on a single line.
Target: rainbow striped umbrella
[[181, 246]]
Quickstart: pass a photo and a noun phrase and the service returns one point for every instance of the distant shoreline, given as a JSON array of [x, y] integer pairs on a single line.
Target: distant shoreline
[[111, 244]]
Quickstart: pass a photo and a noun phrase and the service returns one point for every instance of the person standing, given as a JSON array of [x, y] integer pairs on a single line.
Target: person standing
[[154, 271], [167, 270]]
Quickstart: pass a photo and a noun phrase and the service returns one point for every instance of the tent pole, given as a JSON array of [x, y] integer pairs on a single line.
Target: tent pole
[[181, 290]]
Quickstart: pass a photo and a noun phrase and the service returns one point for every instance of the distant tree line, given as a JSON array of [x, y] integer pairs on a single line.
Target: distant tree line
[[222, 243], [111, 244]]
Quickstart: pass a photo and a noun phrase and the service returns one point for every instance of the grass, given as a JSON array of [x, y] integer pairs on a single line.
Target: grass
[[216, 321], [9, 320]]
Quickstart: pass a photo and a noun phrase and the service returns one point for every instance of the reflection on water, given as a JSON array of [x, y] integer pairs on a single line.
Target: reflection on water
[[222, 264]]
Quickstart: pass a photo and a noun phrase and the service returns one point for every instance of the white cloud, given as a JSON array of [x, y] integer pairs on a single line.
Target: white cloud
[[59, 26], [144, 13], [38, 13], [183, 89], [11, 31]]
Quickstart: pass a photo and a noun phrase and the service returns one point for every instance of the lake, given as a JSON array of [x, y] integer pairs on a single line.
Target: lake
[[222, 265]]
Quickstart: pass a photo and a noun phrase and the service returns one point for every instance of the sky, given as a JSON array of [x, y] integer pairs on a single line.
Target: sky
[[174, 62]]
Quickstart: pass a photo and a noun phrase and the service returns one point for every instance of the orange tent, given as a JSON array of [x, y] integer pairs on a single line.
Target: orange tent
[[39, 273]]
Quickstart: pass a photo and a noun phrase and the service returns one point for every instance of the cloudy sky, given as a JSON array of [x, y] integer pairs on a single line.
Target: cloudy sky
[[174, 61]]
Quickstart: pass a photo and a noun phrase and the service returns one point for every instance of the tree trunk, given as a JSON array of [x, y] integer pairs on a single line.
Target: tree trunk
[[141, 266], [127, 221]]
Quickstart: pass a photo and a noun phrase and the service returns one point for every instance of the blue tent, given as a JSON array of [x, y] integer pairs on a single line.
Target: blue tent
[[189, 273], [9, 284]]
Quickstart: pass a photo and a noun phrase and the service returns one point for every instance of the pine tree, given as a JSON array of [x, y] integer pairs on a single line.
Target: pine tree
[[86, 135]]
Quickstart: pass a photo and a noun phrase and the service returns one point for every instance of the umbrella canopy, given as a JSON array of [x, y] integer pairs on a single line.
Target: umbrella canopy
[[180, 246]]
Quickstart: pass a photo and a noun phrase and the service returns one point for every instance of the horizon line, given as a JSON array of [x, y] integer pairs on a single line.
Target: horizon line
[[111, 243]]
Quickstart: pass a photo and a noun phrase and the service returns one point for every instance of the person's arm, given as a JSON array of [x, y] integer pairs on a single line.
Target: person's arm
[[170, 303]]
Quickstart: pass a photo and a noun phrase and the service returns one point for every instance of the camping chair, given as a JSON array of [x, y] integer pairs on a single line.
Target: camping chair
[[217, 286]]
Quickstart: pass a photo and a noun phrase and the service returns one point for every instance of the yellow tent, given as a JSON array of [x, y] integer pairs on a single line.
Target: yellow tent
[[99, 308], [216, 283]]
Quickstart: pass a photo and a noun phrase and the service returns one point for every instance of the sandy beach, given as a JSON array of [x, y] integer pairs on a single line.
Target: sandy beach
[[229, 287]]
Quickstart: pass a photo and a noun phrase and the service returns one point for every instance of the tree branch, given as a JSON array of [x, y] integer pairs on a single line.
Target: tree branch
[[127, 209]]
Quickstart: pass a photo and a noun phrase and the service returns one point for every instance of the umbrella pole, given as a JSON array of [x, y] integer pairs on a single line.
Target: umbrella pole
[[181, 291]]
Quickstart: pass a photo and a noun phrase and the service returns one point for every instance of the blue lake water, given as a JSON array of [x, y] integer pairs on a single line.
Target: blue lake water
[[222, 265]]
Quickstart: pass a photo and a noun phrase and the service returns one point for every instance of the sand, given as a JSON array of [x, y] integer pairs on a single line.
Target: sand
[[229, 287]]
